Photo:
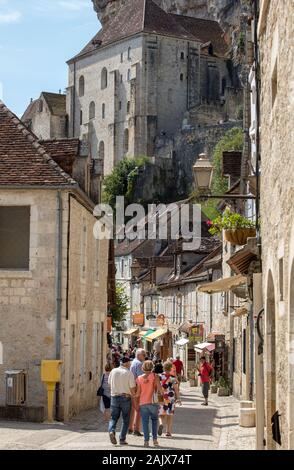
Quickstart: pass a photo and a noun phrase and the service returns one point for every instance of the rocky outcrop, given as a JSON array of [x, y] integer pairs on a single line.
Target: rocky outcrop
[[227, 12]]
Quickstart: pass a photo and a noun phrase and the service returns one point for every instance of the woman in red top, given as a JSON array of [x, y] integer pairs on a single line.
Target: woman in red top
[[205, 371]]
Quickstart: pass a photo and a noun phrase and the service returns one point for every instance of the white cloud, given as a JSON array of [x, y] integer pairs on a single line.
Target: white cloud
[[10, 17]]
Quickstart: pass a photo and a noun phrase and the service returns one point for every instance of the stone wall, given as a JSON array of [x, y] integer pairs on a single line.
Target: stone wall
[[277, 211], [28, 298]]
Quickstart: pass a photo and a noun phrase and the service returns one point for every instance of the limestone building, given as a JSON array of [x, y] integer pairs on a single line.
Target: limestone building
[[143, 74], [53, 272], [46, 117], [276, 33]]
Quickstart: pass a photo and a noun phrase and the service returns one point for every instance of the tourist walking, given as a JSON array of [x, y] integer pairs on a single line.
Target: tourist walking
[[205, 372], [136, 369], [104, 393], [170, 396], [122, 387], [147, 388], [179, 369]]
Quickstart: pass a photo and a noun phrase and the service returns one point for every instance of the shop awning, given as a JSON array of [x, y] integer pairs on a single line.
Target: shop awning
[[131, 332], [200, 347], [156, 334], [182, 342], [144, 334], [223, 285]]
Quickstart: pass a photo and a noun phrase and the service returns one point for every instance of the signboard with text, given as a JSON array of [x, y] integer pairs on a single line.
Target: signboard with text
[[196, 334], [138, 319]]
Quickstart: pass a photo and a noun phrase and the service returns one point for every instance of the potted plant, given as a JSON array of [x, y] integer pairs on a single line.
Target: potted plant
[[236, 227], [223, 387], [214, 387], [192, 378]]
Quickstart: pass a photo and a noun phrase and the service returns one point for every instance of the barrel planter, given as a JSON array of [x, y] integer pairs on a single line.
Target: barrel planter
[[239, 236]]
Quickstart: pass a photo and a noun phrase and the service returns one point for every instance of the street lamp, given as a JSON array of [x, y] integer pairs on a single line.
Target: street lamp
[[203, 173], [152, 308]]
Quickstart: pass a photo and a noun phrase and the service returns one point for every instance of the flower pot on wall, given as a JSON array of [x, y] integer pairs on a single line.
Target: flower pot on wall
[[239, 236]]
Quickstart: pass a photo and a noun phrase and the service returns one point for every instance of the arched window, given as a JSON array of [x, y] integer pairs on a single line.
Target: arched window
[[81, 117], [129, 53], [92, 110], [40, 106], [81, 85], [104, 78], [126, 141], [103, 111], [122, 57], [182, 77], [128, 107]]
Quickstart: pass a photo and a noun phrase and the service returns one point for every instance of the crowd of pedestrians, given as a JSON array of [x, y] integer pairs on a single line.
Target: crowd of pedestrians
[[143, 391]]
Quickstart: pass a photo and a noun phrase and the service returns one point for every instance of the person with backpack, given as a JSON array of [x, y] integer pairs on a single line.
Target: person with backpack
[[104, 393], [205, 373]]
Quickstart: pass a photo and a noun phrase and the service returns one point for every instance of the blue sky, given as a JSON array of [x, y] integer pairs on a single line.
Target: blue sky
[[36, 39]]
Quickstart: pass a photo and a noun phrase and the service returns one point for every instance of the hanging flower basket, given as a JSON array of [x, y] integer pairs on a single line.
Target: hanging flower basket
[[239, 236]]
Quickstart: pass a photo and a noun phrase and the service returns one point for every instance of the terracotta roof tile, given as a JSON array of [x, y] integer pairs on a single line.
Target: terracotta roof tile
[[137, 16], [23, 161], [63, 152]]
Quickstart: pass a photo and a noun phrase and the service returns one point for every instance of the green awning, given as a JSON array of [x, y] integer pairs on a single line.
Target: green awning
[[146, 333]]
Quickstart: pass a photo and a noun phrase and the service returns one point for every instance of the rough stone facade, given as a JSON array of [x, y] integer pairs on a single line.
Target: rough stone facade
[[276, 32], [155, 82], [28, 302]]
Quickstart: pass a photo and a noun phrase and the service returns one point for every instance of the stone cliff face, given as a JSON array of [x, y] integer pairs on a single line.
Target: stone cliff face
[[227, 12]]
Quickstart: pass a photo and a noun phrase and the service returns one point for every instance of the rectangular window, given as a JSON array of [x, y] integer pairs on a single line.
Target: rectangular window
[[244, 351], [274, 84], [15, 237], [72, 356], [82, 351], [281, 278], [234, 354]]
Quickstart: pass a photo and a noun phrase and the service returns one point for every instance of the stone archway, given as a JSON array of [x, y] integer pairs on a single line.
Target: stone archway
[[271, 383], [291, 359]]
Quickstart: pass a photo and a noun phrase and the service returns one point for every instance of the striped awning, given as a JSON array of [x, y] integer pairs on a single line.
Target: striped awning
[[144, 334], [131, 332], [156, 334]]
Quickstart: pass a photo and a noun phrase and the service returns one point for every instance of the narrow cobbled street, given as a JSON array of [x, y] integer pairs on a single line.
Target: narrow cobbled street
[[196, 427]]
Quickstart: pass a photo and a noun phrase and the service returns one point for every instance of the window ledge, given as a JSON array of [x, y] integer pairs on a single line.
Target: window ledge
[[7, 274]]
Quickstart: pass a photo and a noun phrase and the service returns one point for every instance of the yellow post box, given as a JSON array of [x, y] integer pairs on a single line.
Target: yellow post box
[[50, 375]]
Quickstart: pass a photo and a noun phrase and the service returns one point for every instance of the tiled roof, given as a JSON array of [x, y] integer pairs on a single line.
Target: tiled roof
[[63, 152], [23, 161], [137, 16]]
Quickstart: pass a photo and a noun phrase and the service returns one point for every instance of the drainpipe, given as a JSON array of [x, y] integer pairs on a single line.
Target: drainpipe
[[58, 268], [251, 329]]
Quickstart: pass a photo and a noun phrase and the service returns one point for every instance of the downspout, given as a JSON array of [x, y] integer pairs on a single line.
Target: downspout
[[251, 329], [58, 274]]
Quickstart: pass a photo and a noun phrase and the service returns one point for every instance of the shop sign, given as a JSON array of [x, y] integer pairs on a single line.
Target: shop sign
[[197, 334], [138, 319], [109, 324]]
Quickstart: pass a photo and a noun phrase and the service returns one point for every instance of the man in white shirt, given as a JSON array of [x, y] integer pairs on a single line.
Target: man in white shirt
[[122, 387]]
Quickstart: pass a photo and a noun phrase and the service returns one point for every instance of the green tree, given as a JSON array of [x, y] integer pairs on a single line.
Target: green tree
[[120, 309], [232, 140], [122, 180]]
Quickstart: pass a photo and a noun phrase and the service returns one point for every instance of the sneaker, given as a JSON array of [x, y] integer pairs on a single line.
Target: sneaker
[[204, 404], [137, 433], [160, 429], [168, 434], [156, 443], [112, 438], [123, 443], [146, 444], [130, 431]]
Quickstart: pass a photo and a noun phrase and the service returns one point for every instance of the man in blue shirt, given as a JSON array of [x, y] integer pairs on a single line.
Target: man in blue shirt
[[136, 369]]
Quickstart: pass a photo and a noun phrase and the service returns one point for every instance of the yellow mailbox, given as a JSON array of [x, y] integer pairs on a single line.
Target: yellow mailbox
[[50, 375]]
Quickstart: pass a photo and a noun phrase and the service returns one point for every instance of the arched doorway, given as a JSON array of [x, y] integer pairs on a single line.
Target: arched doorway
[[291, 360], [271, 385]]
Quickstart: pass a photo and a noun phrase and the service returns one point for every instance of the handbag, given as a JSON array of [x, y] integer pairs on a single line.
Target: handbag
[[100, 391]]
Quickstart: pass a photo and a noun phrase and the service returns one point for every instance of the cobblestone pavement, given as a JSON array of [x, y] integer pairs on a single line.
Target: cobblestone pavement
[[195, 427]]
